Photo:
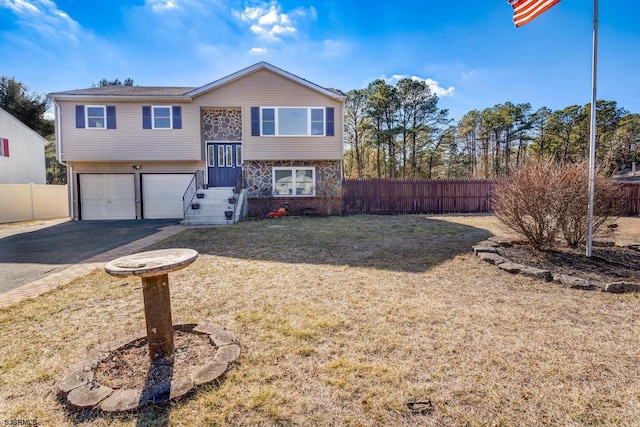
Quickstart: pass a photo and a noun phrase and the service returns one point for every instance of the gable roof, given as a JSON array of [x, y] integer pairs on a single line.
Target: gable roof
[[332, 93], [25, 127], [186, 93]]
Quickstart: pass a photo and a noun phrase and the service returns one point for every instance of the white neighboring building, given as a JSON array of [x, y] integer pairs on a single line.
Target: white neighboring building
[[21, 152]]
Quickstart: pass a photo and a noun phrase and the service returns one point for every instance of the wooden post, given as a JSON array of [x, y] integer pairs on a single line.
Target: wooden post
[[157, 311]]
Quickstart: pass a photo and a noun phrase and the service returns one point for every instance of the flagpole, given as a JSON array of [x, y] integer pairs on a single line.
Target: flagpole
[[592, 139]]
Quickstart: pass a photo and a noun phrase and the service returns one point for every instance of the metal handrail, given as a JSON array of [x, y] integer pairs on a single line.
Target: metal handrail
[[196, 183]]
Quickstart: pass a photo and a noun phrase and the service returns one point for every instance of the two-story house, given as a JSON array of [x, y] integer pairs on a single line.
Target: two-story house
[[135, 152]]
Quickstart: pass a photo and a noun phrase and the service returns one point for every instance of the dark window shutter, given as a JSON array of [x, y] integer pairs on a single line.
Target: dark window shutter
[[111, 116], [79, 116], [5, 147], [177, 117], [146, 117], [330, 128], [255, 121]]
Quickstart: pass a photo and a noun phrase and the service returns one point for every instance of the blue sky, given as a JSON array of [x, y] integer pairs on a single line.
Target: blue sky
[[469, 51]]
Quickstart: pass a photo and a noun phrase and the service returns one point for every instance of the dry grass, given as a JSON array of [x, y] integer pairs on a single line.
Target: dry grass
[[343, 321]]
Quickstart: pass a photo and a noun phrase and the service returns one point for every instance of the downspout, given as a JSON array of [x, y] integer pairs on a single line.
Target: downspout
[[59, 158]]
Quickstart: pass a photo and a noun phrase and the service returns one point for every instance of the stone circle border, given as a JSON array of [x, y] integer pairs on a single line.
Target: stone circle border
[[80, 391], [488, 251]]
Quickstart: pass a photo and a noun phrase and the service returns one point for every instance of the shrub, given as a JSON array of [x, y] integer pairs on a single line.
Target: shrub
[[545, 200]]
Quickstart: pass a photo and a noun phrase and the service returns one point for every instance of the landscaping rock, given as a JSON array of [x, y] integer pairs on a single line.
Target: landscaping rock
[[157, 394], [205, 328], [574, 282], [485, 249], [223, 338], [537, 273], [87, 396], [492, 258], [621, 287], [82, 392], [227, 353], [81, 374], [492, 251], [121, 401], [209, 372], [512, 267], [180, 387]]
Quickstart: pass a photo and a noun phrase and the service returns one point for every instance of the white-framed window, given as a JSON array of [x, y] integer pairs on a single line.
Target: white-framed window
[[211, 157], [221, 157], [96, 116], [294, 181], [238, 155], [161, 117], [292, 121]]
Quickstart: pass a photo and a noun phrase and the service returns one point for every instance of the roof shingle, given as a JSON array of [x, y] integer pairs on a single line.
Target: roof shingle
[[129, 91]]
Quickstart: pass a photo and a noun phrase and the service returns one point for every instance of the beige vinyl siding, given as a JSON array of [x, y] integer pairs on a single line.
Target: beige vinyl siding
[[264, 88], [145, 167], [129, 141]]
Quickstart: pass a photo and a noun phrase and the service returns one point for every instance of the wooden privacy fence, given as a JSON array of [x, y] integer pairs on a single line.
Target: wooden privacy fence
[[631, 198], [436, 196], [413, 196]]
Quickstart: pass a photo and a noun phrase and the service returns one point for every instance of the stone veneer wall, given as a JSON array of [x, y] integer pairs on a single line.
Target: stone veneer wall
[[328, 199], [222, 124]]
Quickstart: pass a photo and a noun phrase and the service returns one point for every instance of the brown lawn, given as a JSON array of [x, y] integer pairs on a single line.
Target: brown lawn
[[345, 321]]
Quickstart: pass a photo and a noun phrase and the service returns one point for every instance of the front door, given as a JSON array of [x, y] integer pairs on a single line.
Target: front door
[[224, 161]]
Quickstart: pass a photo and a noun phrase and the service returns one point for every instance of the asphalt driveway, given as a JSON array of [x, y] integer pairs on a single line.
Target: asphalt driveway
[[32, 255]]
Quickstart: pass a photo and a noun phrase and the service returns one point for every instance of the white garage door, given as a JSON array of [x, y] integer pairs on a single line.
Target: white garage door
[[162, 195], [107, 196]]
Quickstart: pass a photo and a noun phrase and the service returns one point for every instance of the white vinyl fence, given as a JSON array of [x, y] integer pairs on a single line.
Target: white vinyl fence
[[24, 202]]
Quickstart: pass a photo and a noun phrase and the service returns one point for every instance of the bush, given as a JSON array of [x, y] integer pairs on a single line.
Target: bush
[[545, 200]]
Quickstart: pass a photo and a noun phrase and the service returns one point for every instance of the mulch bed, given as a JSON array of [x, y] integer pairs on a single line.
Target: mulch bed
[[130, 367], [606, 264]]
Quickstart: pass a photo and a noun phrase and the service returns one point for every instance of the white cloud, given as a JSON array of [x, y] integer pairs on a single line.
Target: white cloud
[[269, 22], [433, 84], [19, 6], [257, 51], [161, 5], [44, 18]]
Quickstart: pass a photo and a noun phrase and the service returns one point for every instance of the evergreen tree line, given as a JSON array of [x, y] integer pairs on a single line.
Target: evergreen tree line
[[398, 131]]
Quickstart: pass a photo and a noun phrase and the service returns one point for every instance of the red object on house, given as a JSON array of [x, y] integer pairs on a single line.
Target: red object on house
[[279, 212]]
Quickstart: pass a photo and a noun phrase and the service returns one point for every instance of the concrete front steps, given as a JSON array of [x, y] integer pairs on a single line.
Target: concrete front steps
[[212, 207]]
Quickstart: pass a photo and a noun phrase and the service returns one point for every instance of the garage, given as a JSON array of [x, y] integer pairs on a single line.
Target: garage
[[107, 196], [162, 195]]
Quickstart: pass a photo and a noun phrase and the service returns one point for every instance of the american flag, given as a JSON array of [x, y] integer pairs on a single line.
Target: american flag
[[525, 11]]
